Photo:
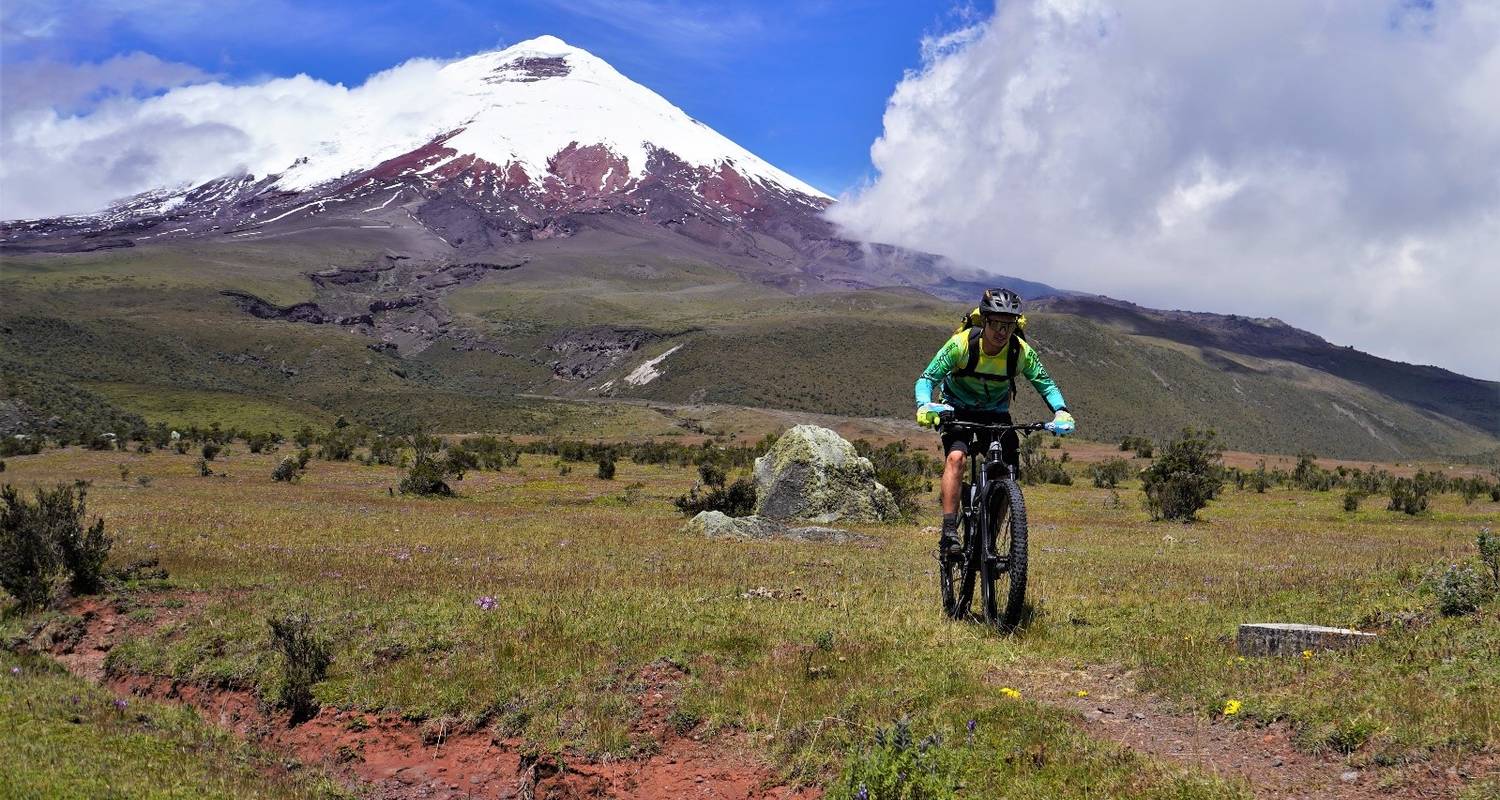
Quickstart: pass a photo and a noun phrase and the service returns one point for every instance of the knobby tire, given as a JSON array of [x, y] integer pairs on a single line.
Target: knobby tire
[[1005, 519]]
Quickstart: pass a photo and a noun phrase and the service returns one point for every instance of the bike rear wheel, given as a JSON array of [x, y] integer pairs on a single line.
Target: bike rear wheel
[[1002, 567]]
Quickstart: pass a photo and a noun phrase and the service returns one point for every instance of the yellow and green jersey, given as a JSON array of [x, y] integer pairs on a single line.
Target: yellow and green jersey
[[986, 384]]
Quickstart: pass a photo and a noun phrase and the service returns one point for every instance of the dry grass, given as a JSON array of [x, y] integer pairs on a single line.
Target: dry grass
[[590, 588]]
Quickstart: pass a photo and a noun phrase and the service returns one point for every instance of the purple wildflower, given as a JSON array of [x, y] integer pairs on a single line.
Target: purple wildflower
[[972, 723], [120, 704], [15, 670], [863, 793], [485, 603]]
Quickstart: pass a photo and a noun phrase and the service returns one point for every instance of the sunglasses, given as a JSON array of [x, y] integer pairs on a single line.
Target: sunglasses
[[1000, 322]]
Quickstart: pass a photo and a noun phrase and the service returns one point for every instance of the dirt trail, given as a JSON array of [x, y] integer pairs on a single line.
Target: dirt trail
[[1265, 758], [395, 759]]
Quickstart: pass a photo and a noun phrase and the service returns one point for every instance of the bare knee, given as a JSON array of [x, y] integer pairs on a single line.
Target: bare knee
[[956, 460]]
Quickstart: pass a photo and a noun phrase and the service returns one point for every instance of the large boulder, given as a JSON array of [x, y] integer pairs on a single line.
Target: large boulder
[[812, 474], [717, 525]]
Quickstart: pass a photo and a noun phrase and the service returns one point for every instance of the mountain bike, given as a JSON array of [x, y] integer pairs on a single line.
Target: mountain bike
[[993, 515]]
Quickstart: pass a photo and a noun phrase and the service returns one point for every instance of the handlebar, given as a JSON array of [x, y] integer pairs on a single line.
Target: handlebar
[[946, 421]]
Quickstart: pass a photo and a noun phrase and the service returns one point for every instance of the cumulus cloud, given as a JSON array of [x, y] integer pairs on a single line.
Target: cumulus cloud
[[1334, 164], [60, 162]]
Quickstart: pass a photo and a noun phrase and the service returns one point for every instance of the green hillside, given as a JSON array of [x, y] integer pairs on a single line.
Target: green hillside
[[147, 331]]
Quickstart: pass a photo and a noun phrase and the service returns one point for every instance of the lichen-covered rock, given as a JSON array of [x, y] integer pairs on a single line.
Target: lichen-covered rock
[[812, 474], [717, 525]]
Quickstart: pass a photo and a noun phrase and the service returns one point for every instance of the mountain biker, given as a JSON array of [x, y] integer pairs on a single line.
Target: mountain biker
[[978, 387]]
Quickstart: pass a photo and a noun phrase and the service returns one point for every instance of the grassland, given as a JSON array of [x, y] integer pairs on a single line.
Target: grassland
[[64, 737], [593, 581]]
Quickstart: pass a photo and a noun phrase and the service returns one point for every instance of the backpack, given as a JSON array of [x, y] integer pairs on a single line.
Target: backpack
[[974, 324]]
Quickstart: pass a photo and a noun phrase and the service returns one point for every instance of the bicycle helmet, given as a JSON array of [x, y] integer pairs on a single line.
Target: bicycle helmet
[[1000, 301]]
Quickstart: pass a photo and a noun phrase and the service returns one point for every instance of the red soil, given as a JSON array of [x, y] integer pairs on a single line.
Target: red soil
[[397, 759]]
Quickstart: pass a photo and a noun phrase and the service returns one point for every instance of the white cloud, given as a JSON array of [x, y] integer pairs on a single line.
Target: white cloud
[[1335, 164], [55, 162]]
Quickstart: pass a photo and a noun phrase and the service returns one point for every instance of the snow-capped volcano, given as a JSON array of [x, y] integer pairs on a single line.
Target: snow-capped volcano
[[519, 108], [538, 141]]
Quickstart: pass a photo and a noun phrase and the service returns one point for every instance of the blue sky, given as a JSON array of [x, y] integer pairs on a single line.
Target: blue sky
[[802, 84]]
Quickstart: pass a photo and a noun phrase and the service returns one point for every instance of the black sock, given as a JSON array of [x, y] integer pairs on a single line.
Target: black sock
[[950, 522]]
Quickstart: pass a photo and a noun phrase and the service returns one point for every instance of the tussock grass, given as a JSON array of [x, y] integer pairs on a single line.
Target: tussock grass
[[588, 590]]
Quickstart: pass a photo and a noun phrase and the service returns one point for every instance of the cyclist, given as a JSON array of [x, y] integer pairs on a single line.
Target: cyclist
[[975, 371]]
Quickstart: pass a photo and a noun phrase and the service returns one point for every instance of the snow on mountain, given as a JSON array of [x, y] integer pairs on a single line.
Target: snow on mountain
[[523, 105]]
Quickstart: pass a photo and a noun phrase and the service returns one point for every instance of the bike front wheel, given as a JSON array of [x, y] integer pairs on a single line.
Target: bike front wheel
[[1002, 569]]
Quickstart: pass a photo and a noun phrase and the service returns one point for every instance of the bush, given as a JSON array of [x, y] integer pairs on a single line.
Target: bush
[[262, 442], [1489, 554], [1308, 475], [1038, 467], [304, 661], [1141, 445], [20, 445], [712, 474], [1407, 496], [44, 544], [428, 474], [738, 500], [906, 473], [1352, 498], [203, 470], [607, 468], [287, 470], [1460, 590], [210, 450], [1187, 476], [1109, 474], [899, 767]]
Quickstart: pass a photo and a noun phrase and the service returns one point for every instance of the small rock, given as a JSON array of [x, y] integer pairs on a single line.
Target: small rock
[[1350, 777]]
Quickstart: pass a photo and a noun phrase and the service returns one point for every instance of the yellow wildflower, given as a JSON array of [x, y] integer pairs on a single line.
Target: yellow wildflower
[[1011, 693], [1232, 707], [1082, 693], [1306, 655]]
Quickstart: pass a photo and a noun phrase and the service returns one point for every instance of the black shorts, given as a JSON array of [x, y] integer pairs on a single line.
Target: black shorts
[[972, 441]]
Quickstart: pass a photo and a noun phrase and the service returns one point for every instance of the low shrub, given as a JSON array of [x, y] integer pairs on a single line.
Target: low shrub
[[286, 470], [712, 474], [1140, 445], [906, 473], [735, 500], [1489, 555], [1038, 467], [427, 477], [210, 450], [1407, 496], [607, 468], [900, 767], [1460, 590], [1352, 499], [203, 469], [305, 658], [1109, 474], [44, 545], [1188, 475]]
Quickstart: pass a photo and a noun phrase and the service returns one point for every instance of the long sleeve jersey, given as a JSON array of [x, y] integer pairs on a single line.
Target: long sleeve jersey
[[990, 391]]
